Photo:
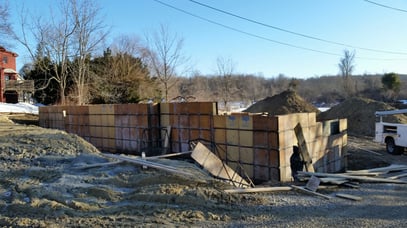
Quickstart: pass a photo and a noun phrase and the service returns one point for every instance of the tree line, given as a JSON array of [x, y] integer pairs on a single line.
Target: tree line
[[68, 68]]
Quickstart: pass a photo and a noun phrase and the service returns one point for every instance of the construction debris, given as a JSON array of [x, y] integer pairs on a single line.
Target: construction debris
[[210, 162], [347, 196], [303, 189], [143, 162]]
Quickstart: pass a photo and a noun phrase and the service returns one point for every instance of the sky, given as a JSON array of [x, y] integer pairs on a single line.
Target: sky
[[296, 38]]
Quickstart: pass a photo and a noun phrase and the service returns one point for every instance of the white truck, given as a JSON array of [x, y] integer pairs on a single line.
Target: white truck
[[394, 135]]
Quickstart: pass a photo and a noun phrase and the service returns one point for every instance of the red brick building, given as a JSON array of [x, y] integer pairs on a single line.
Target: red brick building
[[13, 88]]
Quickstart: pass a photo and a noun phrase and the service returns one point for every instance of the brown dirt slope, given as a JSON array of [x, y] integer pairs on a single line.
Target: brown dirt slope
[[360, 113], [283, 103]]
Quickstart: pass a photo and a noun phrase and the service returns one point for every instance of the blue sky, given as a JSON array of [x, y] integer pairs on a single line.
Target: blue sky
[[368, 29]]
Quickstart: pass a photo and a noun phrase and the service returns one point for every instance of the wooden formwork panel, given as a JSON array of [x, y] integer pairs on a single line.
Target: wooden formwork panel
[[232, 153], [261, 123], [206, 134], [248, 170], [261, 172], [273, 139], [205, 122], [246, 155], [232, 137], [284, 164], [260, 139], [232, 122], [312, 118], [314, 131], [221, 151], [220, 136], [274, 157], [245, 138], [194, 134], [219, 121], [194, 121], [261, 157], [289, 121], [343, 125], [245, 122], [287, 139], [209, 108]]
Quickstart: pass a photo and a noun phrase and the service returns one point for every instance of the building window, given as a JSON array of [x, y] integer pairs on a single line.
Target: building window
[[5, 60]]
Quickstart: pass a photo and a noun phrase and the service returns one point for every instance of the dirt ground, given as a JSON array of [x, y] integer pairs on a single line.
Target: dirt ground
[[47, 180]]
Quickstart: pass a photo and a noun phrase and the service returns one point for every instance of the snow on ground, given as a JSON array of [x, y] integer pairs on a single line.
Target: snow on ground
[[18, 108]]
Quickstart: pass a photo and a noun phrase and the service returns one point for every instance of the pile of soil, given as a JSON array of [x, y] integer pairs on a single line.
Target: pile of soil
[[284, 103], [360, 113], [49, 178]]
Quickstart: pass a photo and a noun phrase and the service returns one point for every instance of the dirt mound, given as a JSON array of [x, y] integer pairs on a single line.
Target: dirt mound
[[283, 103], [360, 113]]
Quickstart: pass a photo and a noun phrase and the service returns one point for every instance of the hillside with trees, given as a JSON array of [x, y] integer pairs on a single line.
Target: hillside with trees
[[72, 64]]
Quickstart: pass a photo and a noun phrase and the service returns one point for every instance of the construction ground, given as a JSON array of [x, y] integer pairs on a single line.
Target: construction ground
[[50, 178]]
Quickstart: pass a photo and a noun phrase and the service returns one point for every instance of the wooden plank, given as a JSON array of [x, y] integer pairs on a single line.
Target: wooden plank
[[398, 176], [142, 162], [361, 178], [313, 183], [390, 168], [303, 189], [215, 166], [259, 189], [333, 180], [267, 189], [347, 196], [303, 148], [97, 165]]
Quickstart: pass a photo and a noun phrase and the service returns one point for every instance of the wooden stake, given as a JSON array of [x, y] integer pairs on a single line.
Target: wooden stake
[[303, 148], [311, 192], [347, 196]]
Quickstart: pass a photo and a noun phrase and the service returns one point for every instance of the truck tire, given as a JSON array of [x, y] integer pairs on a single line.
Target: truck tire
[[392, 148]]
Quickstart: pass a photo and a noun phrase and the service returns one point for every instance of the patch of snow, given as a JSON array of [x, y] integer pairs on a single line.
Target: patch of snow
[[18, 108]]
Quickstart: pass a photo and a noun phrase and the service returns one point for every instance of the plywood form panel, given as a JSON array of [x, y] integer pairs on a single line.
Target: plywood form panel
[[245, 122], [264, 123], [261, 173], [246, 138], [261, 157], [312, 118], [248, 169], [273, 139], [274, 156], [219, 121], [315, 131], [209, 108], [232, 153], [232, 122], [194, 134], [221, 151], [287, 139], [285, 169], [206, 134], [246, 155], [194, 121], [205, 122], [260, 139], [289, 121], [232, 137], [220, 136]]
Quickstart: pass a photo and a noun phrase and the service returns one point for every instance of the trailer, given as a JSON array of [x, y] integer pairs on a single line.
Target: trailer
[[394, 135]]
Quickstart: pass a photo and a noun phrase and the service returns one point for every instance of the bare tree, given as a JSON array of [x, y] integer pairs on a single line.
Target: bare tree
[[225, 68], [67, 40], [53, 39], [165, 57], [89, 34], [5, 26], [346, 68]]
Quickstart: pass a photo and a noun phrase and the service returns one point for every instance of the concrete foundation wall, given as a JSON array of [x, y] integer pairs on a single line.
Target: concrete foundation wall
[[254, 145]]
